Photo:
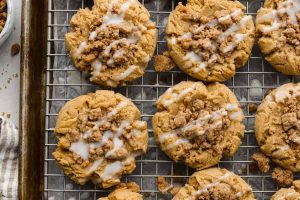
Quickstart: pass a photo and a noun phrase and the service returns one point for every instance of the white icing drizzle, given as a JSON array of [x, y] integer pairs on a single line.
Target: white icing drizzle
[[215, 117], [231, 106], [289, 7], [210, 185], [104, 119], [113, 43], [111, 18], [80, 49], [97, 66], [176, 143], [281, 95], [287, 195], [126, 73], [81, 148], [118, 144], [111, 170], [235, 115], [108, 19], [238, 38], [95, 166], [176, 97]]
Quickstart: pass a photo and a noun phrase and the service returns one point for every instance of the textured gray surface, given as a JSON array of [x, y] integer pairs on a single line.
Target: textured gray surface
[[10, 70], [64, 82]]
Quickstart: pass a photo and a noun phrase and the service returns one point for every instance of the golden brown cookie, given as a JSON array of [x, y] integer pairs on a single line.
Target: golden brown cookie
[[125, 192], [278, 33], [113, 42], [292, 193], [215, 184], [99, 136], [277, 126], [210, 39], [198, 124]]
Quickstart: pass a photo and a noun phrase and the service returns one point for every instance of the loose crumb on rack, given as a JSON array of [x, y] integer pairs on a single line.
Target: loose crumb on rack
[[284, 178], [163, 186], [262, 162], [3, 14], [163, 63], [252, 107]]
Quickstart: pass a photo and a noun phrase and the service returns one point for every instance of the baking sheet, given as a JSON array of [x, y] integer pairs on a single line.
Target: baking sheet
[[64, 82]]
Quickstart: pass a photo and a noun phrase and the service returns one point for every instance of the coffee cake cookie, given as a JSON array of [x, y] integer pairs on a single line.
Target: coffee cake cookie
[[113, 42], [215, 184], [277, 126], [278, 33], [292, 193], [210, 39], [198, 124], [99, 136], [129, 191]]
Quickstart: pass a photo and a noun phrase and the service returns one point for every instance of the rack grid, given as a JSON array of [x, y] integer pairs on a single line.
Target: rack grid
[[64, 82]]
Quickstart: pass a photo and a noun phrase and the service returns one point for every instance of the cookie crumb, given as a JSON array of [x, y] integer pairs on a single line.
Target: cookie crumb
[[284, 178], [262, 162], [15, 49], [163, 185], [252, 107], [147, 194], [163, 63]]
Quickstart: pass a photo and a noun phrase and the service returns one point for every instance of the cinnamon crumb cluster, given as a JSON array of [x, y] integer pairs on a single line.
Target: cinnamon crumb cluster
[[86, 121], [290, 122], [3, 14], [113, 46], [206, 43], [193, 110]]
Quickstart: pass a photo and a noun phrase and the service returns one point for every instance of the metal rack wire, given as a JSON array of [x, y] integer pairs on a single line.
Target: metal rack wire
[[257, 77]]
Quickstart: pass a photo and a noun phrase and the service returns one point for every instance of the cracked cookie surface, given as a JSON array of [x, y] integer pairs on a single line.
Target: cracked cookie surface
[[292, 193], [278, 33], [214, 184], [210, 39], [114, 41], [198, 124], [277, 126], [99, 136]]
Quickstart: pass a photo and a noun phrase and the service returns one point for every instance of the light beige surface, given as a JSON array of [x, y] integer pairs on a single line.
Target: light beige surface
[[112, 119], [292, 193], [195, 125], [280, 46], [204, 54], [215, 183], [277, 126], [119, 41]]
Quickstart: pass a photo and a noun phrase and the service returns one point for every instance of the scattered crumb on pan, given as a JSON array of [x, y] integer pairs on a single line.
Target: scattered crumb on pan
[[252, 107], [284, 178], [15, 49]]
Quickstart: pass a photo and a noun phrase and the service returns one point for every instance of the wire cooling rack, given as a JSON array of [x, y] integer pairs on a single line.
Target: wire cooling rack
[[64, 82]]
